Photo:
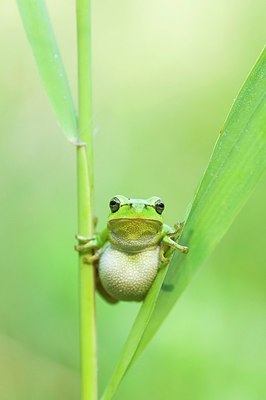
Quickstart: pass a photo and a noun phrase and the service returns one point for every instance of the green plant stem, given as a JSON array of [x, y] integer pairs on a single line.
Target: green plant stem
[[85, 203]]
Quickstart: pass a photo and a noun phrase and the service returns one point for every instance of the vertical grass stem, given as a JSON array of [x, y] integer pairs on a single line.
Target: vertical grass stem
[[85, 203]]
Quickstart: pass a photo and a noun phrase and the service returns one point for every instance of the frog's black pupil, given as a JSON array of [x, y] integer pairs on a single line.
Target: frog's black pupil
[[159, 207], [114, 205]]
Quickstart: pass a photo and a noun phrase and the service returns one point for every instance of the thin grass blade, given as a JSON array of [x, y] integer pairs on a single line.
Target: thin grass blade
[[237, 163], [44, 46]]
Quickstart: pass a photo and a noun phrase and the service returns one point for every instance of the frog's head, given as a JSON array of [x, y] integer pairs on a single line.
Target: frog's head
[[135, 224]]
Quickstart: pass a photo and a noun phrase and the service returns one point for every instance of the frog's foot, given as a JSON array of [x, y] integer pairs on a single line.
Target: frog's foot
[[84, 239], [178, 229], [171, 243], [91, 258], [86, 242], [182, 249], [163, 259]]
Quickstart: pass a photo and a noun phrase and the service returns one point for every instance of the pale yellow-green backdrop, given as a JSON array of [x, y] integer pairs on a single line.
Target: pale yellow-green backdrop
[[165, 74]]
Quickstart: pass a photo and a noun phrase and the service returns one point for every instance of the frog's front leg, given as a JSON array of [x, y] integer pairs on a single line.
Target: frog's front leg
[[96, 241], [84, 239], [178, 230], [87, 243], [171, 243], [167, 241]]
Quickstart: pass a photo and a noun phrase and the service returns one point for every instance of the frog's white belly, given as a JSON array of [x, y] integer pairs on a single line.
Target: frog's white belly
[[128, 276]]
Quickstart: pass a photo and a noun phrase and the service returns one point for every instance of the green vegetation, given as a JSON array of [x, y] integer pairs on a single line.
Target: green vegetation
[[197, 347], [238, 161]]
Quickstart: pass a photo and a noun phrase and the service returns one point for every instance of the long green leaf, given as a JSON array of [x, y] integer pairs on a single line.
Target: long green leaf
[[238, 161], [42, 39]]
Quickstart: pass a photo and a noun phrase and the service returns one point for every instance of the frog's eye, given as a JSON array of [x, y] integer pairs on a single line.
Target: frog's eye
[[159, 206], [114, 204]]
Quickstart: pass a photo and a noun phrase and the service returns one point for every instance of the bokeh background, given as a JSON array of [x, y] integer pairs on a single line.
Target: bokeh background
[[165, 74]]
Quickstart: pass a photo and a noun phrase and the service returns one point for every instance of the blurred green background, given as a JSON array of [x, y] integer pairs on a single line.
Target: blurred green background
[[165, 74]]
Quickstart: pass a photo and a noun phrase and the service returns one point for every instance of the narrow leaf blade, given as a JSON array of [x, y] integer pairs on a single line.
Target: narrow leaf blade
[[42, 40], [237, 163]]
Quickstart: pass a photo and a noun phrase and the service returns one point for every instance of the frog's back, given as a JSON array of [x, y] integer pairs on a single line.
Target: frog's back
[[128, 276]]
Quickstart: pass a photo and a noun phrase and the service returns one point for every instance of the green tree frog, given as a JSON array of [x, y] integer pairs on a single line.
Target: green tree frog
[[131, 249]]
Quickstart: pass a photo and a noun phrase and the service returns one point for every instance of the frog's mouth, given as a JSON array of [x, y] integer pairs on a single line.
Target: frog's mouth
[[134, 234]]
